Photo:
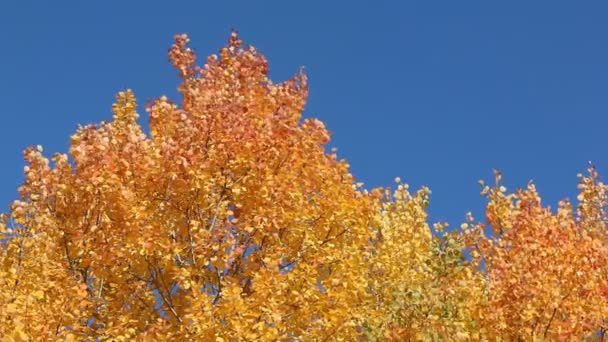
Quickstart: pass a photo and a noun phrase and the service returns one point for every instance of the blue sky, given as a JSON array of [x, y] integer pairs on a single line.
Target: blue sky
[[436, 92]]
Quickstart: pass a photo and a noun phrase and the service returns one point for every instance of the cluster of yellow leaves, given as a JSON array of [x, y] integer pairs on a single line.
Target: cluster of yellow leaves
[[231, 221], [422, 287]]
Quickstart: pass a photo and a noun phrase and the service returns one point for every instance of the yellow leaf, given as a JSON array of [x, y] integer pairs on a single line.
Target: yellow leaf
[[11, 308]]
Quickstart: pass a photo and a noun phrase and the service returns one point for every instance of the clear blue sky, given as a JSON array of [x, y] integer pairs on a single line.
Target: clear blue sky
[[437, 92]]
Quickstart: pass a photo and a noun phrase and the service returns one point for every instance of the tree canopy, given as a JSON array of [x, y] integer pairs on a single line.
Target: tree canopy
[[231, 220]]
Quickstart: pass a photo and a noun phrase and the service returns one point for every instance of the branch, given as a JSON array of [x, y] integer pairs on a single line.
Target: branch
[[190, 236], [549, 324], [159, 286], [219, 286]]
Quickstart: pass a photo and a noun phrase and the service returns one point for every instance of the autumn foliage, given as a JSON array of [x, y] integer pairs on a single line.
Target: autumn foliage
[[231, 221]]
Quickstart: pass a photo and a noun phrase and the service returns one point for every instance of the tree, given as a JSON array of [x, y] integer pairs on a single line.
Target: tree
[[546, 272], [423, 287], [230, 220]]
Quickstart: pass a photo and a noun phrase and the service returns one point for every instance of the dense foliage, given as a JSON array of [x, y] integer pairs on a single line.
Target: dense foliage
[[230, 221]]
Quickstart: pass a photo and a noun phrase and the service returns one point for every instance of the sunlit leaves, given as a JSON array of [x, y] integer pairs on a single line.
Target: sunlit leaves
[[422, 286], [230, 221], [545, 270]]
